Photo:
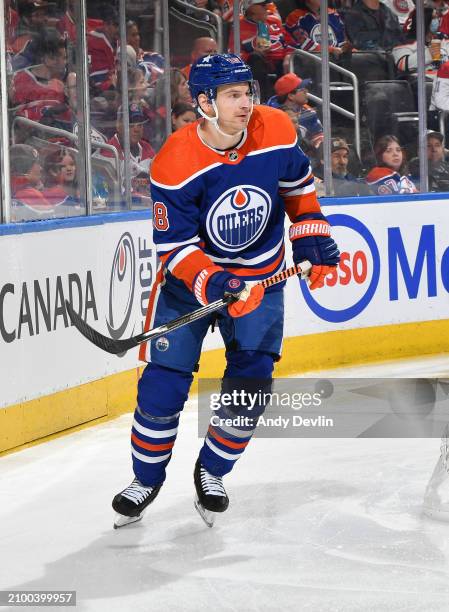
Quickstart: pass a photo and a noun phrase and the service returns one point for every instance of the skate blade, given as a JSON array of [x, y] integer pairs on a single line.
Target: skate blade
[[121, 520], [436, 514], [207, 516]]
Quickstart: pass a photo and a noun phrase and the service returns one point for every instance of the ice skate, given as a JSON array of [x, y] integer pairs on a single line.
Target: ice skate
[[131, 503], [436, 497], [210, 494]]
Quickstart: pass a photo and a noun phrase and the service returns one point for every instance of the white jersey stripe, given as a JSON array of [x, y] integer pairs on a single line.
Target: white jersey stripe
[[147, 459], [187, 180], [296, 182], [181, 255], [154, 433], [286, 146], [300, 191], [221, 453], [169, 246]]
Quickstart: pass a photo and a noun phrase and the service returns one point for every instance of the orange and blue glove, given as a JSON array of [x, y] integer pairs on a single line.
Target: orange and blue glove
[[311, 239], [214, 283]]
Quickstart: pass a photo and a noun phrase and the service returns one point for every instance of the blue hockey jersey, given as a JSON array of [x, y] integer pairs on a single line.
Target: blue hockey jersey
[[227, 208]]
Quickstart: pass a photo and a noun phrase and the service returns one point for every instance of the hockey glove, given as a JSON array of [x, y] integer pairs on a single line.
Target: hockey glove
[[310, 236], [213, 284]]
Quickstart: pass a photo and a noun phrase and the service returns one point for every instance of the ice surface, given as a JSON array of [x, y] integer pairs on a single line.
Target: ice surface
[[321, 525]]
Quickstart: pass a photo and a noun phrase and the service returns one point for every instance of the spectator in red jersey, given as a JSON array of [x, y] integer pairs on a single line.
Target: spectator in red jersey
[[102, 49], [33, 16], [389, 176], [182, 114], [28, 201], [141, 152], [61, 182], [262, 40], [38, 92], [205, 45]]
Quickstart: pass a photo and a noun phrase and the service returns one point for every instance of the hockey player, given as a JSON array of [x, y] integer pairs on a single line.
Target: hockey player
[[218, 223]]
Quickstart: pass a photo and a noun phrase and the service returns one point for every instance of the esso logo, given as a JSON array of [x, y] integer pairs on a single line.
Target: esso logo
[[357, 273], [238, 217]]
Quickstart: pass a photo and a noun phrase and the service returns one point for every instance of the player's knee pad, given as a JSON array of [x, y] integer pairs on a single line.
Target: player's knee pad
[[162, 391], [249, 364], [248, 376]]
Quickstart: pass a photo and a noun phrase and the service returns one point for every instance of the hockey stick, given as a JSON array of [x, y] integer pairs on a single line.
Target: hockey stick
[[117, 347]]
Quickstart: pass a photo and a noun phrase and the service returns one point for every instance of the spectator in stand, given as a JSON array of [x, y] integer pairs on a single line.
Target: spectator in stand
[[205, 45], [61, 182], [102, 50], [133, 39], [141, 152], [32, 18], [227, 9], [401, 8], [292, 95], [345, 183], [28, 201], [440, 89], [438, 166], [405, 56], [179, 88], [303, 28], [371, 25], [440, 22], [262, 40], [38, 91], [182, 114], [388, 177]]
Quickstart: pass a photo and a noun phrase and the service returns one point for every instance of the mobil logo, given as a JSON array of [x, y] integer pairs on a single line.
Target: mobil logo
[[358, 273], [238, 217], [121, 286]]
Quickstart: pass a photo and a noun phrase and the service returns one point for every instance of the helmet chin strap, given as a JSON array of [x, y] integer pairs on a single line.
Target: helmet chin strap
[[214, 120]]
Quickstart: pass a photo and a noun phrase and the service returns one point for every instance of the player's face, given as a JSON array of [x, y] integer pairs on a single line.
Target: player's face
[[392, 156], [435, 150], [234, 103]]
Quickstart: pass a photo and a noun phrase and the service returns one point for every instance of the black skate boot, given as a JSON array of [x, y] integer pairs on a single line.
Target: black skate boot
[[130, 503], [210, 494]]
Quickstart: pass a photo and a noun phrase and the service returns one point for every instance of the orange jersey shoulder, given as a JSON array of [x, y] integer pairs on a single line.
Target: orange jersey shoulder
[[183, 156]]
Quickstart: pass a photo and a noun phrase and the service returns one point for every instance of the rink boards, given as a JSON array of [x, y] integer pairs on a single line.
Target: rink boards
[[389, 298]]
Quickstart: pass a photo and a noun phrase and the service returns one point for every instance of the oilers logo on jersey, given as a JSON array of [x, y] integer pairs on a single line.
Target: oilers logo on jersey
[[238, 217]]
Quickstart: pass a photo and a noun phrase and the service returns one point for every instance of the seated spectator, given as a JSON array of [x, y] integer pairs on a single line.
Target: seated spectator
[[438, 166], [201, 46], [389, 176], [133, 39], [32, 18], [440, 22], [141, 152], [102, 50], [28, 201], [345, 183], [371, 25], [179, 88], [303, 27], [262, 40], [38, 91], [405, 56], [291, 95], [182, 114], [61, 181]]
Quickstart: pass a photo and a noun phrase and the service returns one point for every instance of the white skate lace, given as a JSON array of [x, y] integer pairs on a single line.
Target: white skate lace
[[211, 485], [137, 492]]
